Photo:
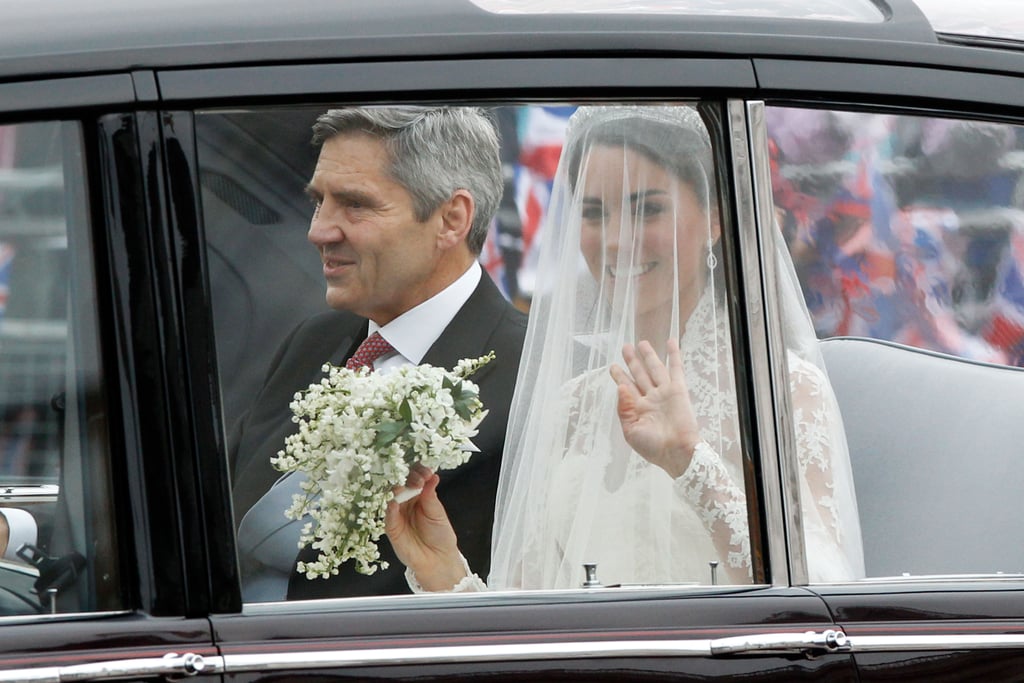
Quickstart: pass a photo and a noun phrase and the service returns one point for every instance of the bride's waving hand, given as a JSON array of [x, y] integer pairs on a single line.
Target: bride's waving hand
[[657, 417]]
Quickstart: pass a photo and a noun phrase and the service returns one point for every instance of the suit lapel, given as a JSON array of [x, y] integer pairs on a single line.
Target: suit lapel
[[353, 335], [467, 335]]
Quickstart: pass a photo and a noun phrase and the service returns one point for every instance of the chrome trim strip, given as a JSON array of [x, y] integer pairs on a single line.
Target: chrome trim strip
[[240, 663], [503, 598], [60, 617], [953, 641], [760, 372], [947, 579], [784, 429], [171, 664], [755, 644]]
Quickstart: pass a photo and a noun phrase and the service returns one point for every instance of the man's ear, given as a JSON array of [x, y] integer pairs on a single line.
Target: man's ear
[[456, 219]]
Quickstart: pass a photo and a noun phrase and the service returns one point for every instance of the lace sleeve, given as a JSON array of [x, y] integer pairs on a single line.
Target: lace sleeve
[[707, 486], [831, 524], [470, 583]]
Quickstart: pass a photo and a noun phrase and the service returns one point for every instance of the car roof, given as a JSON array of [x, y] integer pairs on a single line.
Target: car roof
[[54, 38], [63, 36]]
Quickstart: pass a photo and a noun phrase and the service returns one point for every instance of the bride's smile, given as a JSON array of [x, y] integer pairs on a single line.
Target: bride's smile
[[633, 271]]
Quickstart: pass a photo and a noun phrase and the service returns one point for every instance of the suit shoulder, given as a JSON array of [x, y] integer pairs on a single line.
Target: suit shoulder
[[515, 317], [511, 327]]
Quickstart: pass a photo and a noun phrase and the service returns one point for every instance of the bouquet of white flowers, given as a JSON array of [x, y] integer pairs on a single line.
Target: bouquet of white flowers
[[359, 432]]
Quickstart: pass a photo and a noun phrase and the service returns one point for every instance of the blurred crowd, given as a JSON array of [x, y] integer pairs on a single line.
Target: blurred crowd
[[904, 228]]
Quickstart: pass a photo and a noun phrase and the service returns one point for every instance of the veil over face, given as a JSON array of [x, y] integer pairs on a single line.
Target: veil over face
[[629, 253], [640, 223], [625, 257]]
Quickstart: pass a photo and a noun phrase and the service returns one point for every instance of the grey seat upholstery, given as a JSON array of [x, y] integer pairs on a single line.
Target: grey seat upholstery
[[937, 446]]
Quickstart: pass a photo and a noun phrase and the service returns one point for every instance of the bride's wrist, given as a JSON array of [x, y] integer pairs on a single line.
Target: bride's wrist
[[450, 571], [677, 459], [468, 582]]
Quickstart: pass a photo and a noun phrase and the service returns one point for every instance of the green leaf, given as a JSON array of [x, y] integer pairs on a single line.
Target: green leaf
[[405, 410], [387, 432], [462, 409]]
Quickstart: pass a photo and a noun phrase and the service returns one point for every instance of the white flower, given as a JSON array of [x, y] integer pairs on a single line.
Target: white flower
[[358, 435]]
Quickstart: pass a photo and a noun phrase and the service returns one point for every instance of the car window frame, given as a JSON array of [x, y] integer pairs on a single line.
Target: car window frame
[[485, 81]]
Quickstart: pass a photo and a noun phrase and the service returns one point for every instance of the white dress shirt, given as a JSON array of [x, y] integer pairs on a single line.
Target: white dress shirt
[[415, 331]]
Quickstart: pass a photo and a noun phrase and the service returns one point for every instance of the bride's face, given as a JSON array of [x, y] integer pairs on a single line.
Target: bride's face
[[638, 220]]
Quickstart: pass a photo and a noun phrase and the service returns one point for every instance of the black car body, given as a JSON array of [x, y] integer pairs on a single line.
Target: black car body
[[153, 210]]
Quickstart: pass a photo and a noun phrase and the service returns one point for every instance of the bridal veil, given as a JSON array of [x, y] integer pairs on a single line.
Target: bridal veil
[[631, 251]]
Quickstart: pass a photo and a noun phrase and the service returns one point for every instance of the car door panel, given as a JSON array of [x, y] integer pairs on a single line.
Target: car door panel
[[687, 636]]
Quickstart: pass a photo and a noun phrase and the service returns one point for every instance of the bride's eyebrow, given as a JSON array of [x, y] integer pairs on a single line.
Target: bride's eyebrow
[[644, 194], [634, 197]]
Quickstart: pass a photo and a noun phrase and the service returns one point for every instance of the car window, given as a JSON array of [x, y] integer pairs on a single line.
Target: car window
[[907, 236], [834, 11], [268, 288], [56, 535]]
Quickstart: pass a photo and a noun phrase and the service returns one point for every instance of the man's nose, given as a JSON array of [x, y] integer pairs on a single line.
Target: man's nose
[[323, 228]]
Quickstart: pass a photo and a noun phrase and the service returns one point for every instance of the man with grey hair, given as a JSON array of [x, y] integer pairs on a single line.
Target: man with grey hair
[[404, 197]]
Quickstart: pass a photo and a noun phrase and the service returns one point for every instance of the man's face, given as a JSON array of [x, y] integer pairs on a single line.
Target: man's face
[[379, 261]]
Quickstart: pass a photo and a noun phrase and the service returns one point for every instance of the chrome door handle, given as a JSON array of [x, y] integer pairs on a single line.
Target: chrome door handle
[[830, 640], [172, 664]]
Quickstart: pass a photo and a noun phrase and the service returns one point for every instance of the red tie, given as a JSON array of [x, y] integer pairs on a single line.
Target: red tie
[[372, 348]]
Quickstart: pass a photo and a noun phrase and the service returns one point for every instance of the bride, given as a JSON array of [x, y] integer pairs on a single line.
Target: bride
[[623, 445]]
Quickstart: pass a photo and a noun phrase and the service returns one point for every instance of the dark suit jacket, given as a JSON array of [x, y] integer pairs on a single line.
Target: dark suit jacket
[[486, 322]]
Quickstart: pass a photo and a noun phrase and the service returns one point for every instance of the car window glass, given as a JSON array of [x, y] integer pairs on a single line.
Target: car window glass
[[984, 20], [270, 316], [860, 11], [56, 535], [907, 234]]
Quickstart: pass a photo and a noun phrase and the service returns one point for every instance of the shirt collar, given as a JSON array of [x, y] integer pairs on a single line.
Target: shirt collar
[[415, 331]]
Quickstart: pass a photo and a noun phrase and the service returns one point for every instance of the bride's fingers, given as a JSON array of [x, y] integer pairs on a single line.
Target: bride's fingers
[[621, 377], [637, 368], [628, 394], [656, 369], [414, 482], [432, 507], [418, 474], [675, 362]]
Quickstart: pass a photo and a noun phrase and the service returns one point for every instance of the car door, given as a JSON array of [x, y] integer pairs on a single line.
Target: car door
[[901, 202], [102, 573], [249, 144]]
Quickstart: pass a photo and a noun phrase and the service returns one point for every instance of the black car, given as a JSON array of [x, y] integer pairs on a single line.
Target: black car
[[153, 256]]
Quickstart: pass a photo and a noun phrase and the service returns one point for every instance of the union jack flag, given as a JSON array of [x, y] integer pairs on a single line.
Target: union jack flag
[[539, 133], [1005, 329]]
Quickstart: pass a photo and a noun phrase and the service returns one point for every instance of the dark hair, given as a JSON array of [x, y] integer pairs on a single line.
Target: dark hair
[[673, 142]]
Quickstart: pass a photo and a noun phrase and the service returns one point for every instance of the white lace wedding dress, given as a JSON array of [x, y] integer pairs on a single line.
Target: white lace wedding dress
[[642, 526]]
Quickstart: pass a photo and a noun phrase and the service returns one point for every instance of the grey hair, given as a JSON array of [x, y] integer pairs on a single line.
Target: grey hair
[[433, 151]]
